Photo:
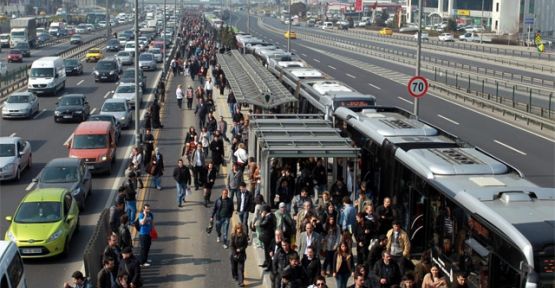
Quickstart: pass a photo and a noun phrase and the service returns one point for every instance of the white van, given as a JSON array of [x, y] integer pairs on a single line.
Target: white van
[[327, 25], [129, 47], [47, 76], [12, 274]]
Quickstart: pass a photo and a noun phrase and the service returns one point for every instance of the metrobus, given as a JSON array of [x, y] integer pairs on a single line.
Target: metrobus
[[472, 212], [95, 17]]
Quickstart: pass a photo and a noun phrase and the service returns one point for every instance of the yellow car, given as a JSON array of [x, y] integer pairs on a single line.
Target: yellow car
[[386, 32], [94, 55], [290, 35], [44, 223]]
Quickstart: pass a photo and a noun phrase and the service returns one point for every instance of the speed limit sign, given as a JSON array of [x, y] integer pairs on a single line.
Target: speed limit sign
[[418, 86]]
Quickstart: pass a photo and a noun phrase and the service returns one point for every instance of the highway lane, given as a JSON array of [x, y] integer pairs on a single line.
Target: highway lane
[[445, 55], [528, 152], [47, 140], [52, 50]]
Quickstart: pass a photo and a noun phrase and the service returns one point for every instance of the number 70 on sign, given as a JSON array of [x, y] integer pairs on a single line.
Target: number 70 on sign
[[417, 86]]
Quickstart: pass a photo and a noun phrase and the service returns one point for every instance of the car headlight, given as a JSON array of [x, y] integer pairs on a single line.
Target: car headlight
[[57, 113], [56, 235], [112, 72], [30, 86], [79, 112], [95, 73], [122, 118], [76, 191], [9, 167], [11, 236], [104, 158]]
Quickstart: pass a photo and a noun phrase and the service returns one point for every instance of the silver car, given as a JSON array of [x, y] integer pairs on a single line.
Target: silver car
[[69, 173], [20, 105], [127, 91], [125, 58], [15, 155], [157, 54], [147, 61], [120, 109]]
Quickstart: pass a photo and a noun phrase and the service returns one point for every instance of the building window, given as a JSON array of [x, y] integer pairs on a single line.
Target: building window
[[496, 24], [497, 7]]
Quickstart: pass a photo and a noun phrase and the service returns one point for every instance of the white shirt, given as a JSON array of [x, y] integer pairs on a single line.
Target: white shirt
[[179, 93], [208, 85], [243, 199]]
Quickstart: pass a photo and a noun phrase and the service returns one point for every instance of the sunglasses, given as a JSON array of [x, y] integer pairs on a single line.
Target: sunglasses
[[320, 284]]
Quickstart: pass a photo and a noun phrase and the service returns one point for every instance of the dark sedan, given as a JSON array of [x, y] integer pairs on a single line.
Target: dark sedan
[[73, 66], [128, 76], [68, 173], [113, 45], [14, 56], [72, 107], [24, 48], [106, 70]]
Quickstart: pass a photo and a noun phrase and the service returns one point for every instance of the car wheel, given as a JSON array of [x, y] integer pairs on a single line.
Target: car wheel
[[30, 162], [65, 253], [81, 209], [18, 174], [77, 226], [83, 117]]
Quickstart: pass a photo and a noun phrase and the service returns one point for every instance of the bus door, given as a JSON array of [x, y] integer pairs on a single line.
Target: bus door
[[419, 218], [503, 275]]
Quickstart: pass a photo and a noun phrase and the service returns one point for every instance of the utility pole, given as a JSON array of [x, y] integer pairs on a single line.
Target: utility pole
[[248, 16], [418, 53], [136, 60], [108, 26], [289, 31], [482, 22], [164, 45]]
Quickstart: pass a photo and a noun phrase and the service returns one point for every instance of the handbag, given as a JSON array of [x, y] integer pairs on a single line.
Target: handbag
[[153, 233], [188, 191]]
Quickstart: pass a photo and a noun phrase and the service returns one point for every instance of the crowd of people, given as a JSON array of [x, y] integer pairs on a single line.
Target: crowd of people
[[309, 230]]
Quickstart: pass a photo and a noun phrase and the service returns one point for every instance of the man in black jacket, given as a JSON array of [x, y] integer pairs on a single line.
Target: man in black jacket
[[115, 213], [222, 212], [105, 277], [311, 264], [244, 204], [113, 251], [280, 261], [267, 228], [361, 231], [294, 275], [130, 265], [182, 178], [387, 271]]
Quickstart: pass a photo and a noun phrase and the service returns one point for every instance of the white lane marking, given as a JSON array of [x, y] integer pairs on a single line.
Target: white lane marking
[[38, 114], [374, 86], [107, 94], [445, 118], [401, 98], [303, 54], [30, 186], [332, 67], [93, 110], [13, 134], [80, 82], [352, 76], [294, 50], [509, 147], [316, 60]]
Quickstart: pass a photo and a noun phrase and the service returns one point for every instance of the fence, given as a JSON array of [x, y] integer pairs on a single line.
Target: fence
[[92, 257]]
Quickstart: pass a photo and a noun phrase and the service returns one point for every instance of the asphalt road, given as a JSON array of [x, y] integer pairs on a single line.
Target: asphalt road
[[530, 153], [452, 57], [47, 138], [52, 50]]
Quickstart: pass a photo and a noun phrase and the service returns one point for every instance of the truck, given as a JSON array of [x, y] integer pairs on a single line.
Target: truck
[[57, 29], [23, 30]]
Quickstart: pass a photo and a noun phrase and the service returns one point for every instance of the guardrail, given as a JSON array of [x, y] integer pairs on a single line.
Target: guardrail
[[531, 115], [20, 78]]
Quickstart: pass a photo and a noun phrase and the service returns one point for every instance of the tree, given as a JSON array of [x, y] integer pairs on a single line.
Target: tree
[[451, 25], [298, 8], [381, 20]]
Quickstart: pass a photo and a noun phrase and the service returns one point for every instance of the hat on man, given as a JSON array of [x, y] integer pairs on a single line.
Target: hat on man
[[282, 205]]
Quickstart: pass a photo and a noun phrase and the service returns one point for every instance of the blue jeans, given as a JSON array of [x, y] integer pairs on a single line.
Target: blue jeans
[[341, 280], [156, 181], [131, 210], [234, 194], [180, 192], [244, 217], [222, 227]]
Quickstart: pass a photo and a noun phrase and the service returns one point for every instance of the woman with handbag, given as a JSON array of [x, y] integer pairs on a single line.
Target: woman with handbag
[[239, 243]]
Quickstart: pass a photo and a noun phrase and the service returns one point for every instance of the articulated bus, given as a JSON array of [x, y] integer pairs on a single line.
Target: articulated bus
[[473, 213], [95, 17]]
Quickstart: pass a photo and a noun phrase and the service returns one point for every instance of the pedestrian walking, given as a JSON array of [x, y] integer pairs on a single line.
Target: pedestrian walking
[[137, 161], [148, 146], [208, 87], [156, 168], [179, 95], [234, 178], [231, 103], [210, 175], [211, 125], [222, 212], [239, 243], [182, 178], [200, 111], [343, 265], [267, 228], [217, 149], [146, 224], [245, 205], [222, 83], [189, 94], [173, 65], [222, 128], [198, 162], [155, 114]]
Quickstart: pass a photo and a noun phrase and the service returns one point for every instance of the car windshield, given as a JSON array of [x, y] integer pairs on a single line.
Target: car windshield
[[123, 54], [113, 107], [113, 42], [18, 99], [69, 101], [7, 150], [145, 57], [71, 62], [94, 51], [90, 141], [42, 72], [128, 74], [22, 45], [76, 37], [38, 212], [15, 52], [18, 34], [59, 175], [105, 65], [154, 51], [126, 89]]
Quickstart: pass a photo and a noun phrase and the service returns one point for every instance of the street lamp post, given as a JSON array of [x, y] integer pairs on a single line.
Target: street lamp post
[[418, 53], [482, 21], [108, 26], [248, 16], [289, 31], [164, 45], [137, 100]]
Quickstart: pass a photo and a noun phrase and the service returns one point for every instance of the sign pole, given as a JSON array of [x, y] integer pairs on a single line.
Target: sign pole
[[418, 52]]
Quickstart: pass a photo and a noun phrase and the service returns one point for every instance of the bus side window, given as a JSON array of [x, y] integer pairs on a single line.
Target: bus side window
[[15, 271], [4, 282]]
